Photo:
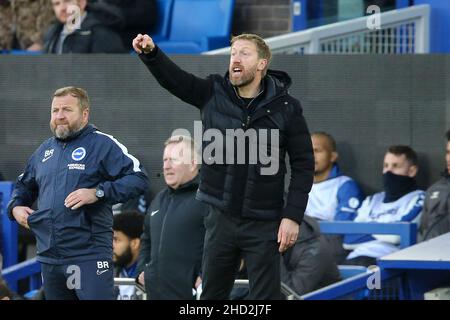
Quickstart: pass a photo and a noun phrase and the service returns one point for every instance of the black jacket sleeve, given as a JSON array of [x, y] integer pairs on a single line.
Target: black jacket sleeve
[[184, 85], [146, 245], [301, 157]]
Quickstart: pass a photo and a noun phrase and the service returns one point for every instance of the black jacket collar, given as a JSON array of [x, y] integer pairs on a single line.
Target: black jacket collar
[[192, 184]]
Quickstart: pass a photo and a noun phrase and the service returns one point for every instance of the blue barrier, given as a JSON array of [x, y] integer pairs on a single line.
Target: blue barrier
[[30, 268], [406, 230], [350, 286], [357, 283], [9, 229]]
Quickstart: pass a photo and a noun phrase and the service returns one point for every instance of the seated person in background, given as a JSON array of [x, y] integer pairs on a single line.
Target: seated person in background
[[127, 227], [139, 16], [23, 22], [92, 36], [401, 201], [436, 210], [333, 195], [309, 265], [139, 204], [6, 293]]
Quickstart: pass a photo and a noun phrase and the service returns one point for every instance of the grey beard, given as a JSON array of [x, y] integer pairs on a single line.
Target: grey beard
[[65, 133]]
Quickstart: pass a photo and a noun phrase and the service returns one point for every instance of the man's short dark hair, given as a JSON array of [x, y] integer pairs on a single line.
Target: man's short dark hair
[[329, 138], [409, 153], [131, 223]]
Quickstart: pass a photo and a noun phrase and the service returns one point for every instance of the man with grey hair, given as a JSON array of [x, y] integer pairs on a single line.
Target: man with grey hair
[[174, 222], [75, 177]]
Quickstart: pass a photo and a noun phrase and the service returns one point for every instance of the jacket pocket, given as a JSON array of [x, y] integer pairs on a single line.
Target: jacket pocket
[[41, 225], [73, 218]]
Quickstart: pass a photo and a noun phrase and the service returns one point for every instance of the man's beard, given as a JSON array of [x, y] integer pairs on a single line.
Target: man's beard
[[245, 79], [64, 131], [124, 259]]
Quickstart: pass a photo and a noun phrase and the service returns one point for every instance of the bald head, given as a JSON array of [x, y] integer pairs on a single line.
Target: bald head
[[325, 155]]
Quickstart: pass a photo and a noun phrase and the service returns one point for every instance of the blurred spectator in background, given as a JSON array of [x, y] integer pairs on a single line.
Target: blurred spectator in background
[[6, 293], [401, 201], [384, 5], [333, 196], [139, 16], [139, 204], [94, 34], [23, 22], [436, 211], [309, 265], [127, 227]]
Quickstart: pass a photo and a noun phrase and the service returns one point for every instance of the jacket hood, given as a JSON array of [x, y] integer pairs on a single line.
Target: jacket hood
[[277, 80]]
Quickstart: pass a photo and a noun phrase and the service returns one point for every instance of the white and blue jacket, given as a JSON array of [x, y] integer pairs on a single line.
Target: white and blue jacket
[[405, 209], [59, 167], [336, 198]]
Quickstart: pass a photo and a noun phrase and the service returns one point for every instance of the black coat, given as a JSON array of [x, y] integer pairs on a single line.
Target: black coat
[[172, 243], [94, 36], [435, 219], [309, 265], [242, 189]]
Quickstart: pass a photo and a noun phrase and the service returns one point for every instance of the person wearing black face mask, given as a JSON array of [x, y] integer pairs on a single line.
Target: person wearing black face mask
[[400, 201]]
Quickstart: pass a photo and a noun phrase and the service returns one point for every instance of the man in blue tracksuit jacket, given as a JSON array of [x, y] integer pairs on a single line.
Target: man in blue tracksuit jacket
[[75, 176]]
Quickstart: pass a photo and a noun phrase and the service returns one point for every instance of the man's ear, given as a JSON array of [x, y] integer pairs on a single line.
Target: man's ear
[[86, 115], [82, 4], [412, 171], [334, 156], [135, 244], [262, 64]]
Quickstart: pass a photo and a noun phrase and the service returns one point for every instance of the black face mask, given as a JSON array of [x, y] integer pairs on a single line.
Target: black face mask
[[396, 186]]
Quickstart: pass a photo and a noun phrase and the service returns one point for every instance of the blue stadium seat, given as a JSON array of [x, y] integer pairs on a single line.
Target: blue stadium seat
[[162, 28], [198, 25], [22, 52]]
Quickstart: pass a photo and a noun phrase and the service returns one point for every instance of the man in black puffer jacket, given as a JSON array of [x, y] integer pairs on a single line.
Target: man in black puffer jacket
[[248, 216]]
